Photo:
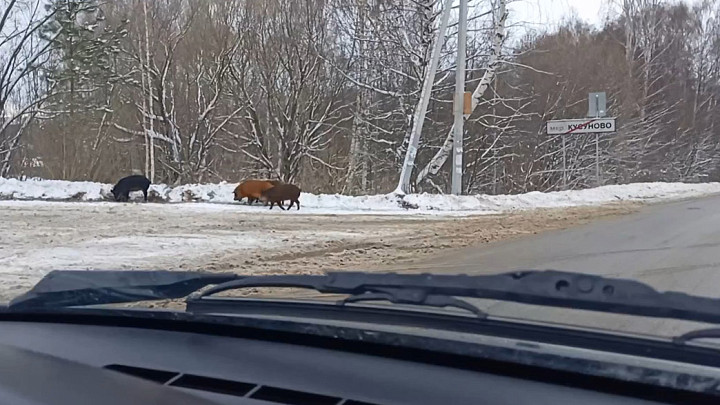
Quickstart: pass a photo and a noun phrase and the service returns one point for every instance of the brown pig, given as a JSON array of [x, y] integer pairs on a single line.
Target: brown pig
[[252, 189]]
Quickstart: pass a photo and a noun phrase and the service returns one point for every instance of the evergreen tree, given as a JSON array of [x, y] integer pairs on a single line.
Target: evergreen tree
[[82, 70], [84, 51]]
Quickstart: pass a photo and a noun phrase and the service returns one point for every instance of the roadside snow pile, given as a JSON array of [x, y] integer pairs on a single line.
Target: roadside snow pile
[[380, 202], [558, 199], [606, 194], [222, 193], [13, 189], [214, 193]]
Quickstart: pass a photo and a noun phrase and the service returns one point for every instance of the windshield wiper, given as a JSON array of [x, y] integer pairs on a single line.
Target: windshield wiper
[[545, 288], [68, 288]]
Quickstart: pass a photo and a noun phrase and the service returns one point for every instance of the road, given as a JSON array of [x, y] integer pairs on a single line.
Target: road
[[672, 246]]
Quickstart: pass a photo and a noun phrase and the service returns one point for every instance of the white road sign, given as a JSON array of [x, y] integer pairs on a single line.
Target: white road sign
[[581, 126]]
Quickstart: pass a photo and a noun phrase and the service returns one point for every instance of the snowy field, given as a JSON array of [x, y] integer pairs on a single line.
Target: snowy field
[[221, 196]]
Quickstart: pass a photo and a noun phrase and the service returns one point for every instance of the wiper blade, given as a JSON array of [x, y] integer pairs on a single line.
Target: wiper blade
[[544, 288], [66, 288]]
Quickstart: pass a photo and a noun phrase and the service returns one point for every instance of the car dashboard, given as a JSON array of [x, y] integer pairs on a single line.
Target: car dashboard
[[233, 370]]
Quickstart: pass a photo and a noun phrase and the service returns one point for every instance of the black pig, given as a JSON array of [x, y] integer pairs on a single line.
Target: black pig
[[136, 182]]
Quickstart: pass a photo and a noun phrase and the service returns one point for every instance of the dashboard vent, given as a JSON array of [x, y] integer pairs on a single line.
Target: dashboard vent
[[235, 388], [158, 376], [227, 387], [292, 397]]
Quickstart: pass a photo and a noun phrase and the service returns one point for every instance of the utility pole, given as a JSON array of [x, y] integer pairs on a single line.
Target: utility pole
[[458, 110], [597, 145], [564, 157], [597, 108], [421, 111]]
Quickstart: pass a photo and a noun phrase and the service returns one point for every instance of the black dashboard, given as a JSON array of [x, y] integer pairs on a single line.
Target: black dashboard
[[236, 370]]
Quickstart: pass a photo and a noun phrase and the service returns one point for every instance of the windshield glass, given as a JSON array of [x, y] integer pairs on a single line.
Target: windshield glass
[[298, 137]]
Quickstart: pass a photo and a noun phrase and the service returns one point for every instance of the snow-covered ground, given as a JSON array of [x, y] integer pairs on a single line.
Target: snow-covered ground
[[46, 225], [221, 195], [39, 236]]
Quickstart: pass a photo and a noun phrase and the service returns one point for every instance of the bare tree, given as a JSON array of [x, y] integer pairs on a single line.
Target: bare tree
[[292, 98], [324, 93], [22, 92], [182, 71]]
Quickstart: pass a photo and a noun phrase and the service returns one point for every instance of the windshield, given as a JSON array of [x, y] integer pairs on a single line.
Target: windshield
[[299, 137]]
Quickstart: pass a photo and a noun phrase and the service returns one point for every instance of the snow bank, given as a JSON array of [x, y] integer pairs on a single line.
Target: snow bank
[[382, 202], [222, 193], [13, 189], [215, 193], [559, 199]]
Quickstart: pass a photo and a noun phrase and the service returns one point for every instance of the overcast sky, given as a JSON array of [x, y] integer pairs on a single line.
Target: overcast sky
[[544, 14], [541, 13]]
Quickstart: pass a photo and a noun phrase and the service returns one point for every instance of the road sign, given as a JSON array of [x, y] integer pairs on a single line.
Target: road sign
[[581, 126], [597, 108], [597, 104]]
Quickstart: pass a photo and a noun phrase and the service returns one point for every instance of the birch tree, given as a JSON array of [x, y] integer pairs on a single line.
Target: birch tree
[[387, 58], [498, 40]]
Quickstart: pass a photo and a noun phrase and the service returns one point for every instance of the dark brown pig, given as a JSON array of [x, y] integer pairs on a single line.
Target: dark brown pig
[[283, 192]]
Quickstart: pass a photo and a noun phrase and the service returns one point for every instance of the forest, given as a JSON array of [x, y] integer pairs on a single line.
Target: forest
[[323, 93]]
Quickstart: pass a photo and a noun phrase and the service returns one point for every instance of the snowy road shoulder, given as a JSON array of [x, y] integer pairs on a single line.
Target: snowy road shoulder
[[40, 236]]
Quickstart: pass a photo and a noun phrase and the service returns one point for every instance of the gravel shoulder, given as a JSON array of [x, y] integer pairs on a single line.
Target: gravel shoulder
[[36, 237]]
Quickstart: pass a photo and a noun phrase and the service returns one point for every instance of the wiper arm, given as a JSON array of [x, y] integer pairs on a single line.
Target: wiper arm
[[544, 288], [420, 289], [67, 288]]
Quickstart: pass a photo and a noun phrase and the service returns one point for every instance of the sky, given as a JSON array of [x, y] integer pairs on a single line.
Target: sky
[[546, 14]]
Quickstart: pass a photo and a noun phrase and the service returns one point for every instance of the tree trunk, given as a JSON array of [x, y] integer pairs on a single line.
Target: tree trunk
[[6, 162], [150, 141], [355, 162], [419, 116]]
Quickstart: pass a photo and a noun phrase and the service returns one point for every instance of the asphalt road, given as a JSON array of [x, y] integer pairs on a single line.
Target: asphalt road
[[672, 246]]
